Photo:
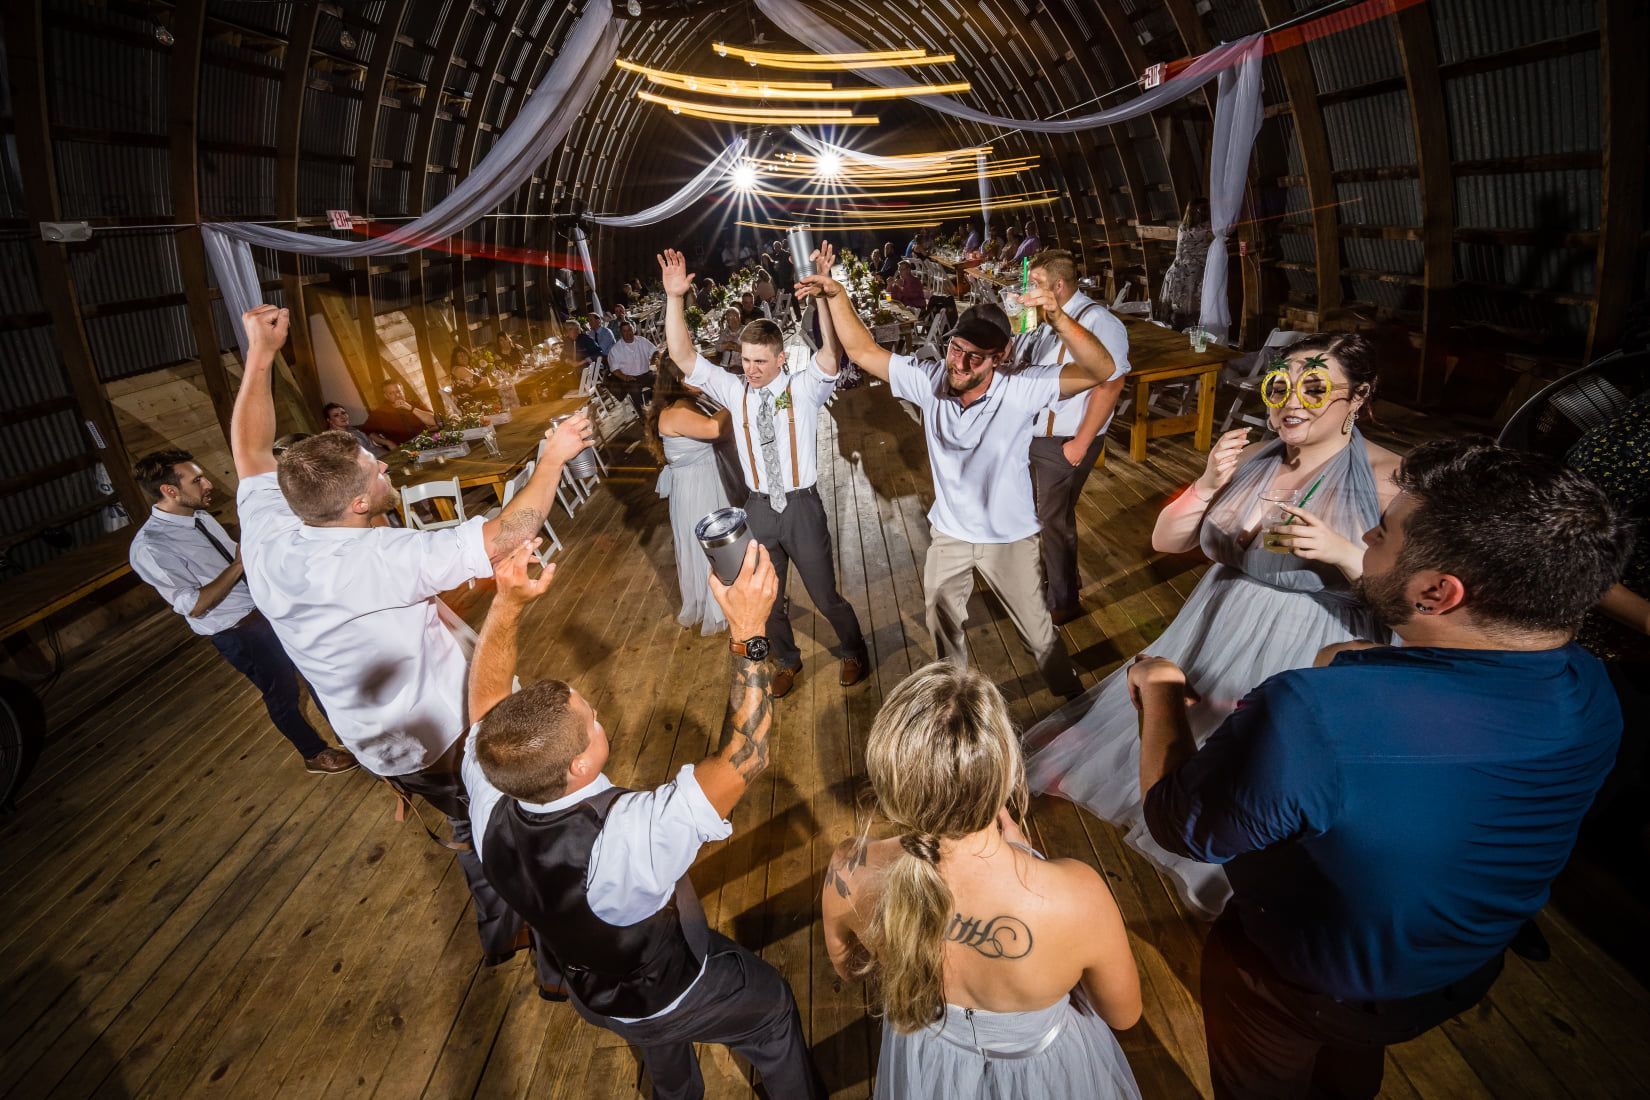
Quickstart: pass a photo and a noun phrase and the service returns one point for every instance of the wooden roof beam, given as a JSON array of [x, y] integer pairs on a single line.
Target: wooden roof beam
[[1624, 32]]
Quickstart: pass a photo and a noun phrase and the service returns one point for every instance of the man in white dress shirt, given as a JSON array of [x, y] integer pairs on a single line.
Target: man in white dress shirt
[[631, 361], [977, 421], [1069, 435], [358, 606], [183, 553], [601, 873], [775, 422]]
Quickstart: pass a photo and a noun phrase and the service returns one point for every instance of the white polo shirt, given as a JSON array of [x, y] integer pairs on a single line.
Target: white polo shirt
[[804, 392], [358, 610], [980, 456], [1043, 347], [633, 359]]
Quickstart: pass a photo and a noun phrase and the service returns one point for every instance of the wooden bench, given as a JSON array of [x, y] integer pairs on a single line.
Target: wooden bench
[[64, 581]]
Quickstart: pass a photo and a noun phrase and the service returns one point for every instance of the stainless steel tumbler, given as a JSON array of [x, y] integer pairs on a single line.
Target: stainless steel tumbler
[[800, 240], [583, 464], [724, 534]]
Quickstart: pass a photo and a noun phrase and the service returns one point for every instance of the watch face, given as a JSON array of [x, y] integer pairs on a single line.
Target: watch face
[[756, 649]]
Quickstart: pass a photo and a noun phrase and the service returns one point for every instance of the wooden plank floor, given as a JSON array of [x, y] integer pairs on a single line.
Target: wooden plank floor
[[187, 913]]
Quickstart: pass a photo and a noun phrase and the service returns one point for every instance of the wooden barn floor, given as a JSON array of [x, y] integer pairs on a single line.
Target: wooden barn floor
[[187, 913]]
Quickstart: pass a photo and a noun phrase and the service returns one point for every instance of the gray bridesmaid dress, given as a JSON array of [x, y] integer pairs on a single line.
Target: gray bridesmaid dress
[[1254, 614], [693, 485]]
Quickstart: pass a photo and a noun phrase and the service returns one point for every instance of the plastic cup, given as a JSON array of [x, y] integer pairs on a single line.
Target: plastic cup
[[1275, 516]]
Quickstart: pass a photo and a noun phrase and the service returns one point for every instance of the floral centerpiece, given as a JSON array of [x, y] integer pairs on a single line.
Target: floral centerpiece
[[436, 444], [695, 317]]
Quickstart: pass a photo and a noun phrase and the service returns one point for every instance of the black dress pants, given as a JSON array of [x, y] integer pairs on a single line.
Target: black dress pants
[[740, 1002], [800, 534], [1058, 484], [1271, 1039], [252, 647], [497, 924]]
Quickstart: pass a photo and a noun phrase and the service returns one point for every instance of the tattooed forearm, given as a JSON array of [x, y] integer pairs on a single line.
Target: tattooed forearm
[[848, 858], [518, 524], [998, 938], [750, 718]]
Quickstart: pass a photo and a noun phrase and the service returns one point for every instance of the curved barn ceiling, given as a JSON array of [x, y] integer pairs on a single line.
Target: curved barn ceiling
[[1446, 166]]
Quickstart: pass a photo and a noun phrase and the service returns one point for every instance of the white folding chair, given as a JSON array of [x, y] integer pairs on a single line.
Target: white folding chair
[[569, 491], [1246, 371], [887, 335], [1121, 304], [429, 491]]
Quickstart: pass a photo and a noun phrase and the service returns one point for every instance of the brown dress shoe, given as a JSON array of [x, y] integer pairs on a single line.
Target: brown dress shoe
[[1066, 615], [331, 762], [853, 671], [783, 679]]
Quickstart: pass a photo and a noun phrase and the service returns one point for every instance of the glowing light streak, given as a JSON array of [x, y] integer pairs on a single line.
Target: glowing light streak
[[784, 89]]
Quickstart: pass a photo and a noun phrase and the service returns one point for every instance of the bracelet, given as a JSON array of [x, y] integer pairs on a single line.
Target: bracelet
[[1200, 496]]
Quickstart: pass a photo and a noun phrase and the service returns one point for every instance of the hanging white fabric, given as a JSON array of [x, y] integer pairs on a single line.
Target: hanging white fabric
[[582, 247], [1236, 65], [821, 148], [697, 188], [544, 120]]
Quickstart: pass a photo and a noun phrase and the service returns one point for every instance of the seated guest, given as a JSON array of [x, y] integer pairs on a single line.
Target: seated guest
[[337, 420], [763, 289], [890, 262], [357, 606], [182, 552], [918, 247], [1011, 244], [971, 237], [600, 333], [733, 322], [631, 361], [1390, 819], [601, 873], [395, 419], [621, 317], [463, 375], [505, 350], [1030, 245], [587, 348], [906, 288], [750, 309], [998, 971], [992, 247]]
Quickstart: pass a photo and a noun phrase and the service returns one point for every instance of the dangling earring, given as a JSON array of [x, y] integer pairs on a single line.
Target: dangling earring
[[1351, 415]]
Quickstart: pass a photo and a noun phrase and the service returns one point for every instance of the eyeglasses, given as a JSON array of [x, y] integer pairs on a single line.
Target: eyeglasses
[[970, 359], [1314, 388]]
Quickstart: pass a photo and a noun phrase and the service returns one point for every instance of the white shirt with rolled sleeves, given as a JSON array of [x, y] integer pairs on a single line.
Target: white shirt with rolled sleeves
[[1047, 349], [809, 389], [171, 555], [980, 455], [359, 611], [649, 841], [632, 359]]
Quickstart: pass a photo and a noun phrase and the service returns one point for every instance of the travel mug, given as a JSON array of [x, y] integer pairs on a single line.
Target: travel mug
[[724, 535], [583, 464], [800, 240]]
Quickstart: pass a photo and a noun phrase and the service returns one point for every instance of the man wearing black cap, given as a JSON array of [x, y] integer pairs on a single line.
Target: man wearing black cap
[[979, 424]]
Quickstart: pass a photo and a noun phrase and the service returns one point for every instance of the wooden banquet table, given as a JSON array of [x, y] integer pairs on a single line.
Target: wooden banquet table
[[1158, 355], [518, 442]]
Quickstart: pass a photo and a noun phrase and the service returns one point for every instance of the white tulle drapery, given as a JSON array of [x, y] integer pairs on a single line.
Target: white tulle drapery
[[545, 118], [698, 187], [1236, 66]]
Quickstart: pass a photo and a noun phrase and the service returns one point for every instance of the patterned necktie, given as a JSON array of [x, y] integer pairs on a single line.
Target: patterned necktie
[[770, 452]]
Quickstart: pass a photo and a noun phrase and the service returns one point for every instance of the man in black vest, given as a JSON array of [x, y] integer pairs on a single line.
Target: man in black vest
[[600, 873]]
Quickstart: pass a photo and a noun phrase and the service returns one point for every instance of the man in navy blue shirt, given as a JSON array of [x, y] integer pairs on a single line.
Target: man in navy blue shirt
[[1391, 818]]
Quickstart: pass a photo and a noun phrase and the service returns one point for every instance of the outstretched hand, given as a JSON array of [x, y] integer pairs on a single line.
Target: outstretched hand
[[266, 328], [817, 286], [823, 258], [673, 271], [748, 600], [511, 573]]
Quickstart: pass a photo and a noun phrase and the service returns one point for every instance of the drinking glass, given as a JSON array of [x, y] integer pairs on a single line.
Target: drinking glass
[[1275, 516], [1012, 305], [1200, 339]]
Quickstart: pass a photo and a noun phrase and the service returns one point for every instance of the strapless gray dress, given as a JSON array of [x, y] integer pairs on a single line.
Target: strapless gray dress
[[1254, 614]]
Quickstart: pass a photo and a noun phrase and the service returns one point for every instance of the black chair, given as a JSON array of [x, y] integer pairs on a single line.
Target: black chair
[[1561, 413]]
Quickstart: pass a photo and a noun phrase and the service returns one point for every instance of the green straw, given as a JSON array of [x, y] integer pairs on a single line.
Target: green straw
[[1305, 498]]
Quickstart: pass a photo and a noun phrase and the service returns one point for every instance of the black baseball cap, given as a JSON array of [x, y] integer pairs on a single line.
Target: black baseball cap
[[984, 326]]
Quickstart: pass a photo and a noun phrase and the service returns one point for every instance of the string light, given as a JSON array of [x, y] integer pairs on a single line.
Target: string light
[[806, 195], [744, 176], [783, 89], [836, 116], [822, 62], [828, 166]]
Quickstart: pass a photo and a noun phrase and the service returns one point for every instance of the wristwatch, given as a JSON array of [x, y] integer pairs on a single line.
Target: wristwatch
[[752, 649]]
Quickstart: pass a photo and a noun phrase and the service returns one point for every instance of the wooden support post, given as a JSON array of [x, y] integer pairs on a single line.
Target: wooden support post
[[188, 28], [37, 164], [372, 90], [423, 135], [1624, 43], [1302, 88], [290, 115], [1418, 49]]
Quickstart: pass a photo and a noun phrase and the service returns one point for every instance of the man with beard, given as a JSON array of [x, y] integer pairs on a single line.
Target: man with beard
[[358, 606], [979, 423], [183, 553], [1390, 819]]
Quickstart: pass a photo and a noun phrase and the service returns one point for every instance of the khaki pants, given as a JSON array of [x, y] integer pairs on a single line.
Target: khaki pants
[[1014, 570]]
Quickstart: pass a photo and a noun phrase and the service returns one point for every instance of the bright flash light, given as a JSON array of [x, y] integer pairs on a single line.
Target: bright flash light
[[829, 165], [744, 177]]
